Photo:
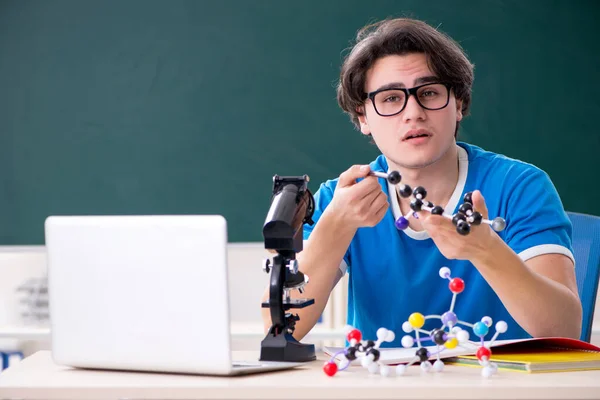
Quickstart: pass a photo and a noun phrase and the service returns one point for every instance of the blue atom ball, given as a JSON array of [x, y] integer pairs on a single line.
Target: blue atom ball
[[480, 329]]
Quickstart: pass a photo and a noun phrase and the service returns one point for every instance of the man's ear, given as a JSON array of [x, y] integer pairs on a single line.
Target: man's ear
[[459, 114], [362, 119]]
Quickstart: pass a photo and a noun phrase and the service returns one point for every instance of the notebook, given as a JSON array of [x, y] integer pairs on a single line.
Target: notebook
[[542, 355]]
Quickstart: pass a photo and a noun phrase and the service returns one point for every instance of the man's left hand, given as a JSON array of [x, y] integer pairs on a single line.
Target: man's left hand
[[454, 245]]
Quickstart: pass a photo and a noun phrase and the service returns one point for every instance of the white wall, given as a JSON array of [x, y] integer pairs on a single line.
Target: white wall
[[247, 283]]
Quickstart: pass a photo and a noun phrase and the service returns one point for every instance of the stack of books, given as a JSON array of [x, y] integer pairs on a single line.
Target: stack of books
[[540, 355]]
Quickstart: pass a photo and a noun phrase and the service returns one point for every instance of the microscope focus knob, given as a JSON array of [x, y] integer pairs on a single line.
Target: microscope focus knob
[[293, 266], [266, 265]]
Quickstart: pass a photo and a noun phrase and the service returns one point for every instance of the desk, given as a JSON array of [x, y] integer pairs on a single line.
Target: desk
[[38, 377]]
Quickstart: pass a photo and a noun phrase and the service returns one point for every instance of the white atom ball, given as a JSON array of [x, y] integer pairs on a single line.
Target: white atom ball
[[385, 370], [462, 336], [407, 341], [381, 334], [365, 362], [373, 368], [390, 336], [501, 326], [486, 372], [426, 366], [400, 369], [444, 272]]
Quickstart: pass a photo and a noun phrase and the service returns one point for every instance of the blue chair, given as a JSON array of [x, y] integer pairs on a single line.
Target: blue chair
[[586, 249]]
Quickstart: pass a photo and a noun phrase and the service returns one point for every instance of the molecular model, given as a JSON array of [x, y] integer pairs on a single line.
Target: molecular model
[[364, 350], [450, 338], [463, 219]]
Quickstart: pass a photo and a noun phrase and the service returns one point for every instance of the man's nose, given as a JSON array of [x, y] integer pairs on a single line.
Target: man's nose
[[413, 110]]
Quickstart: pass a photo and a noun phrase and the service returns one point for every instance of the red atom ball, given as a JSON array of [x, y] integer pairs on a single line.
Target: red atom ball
[[483, 352], [330, 368], [354, 334], [456, 285]]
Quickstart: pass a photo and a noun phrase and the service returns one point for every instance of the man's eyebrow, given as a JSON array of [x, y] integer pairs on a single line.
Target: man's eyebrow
[[418, 81], [391, 85], [426, 79]]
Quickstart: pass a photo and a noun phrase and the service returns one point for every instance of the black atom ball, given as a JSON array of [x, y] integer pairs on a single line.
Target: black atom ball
[[437, 210], [394, 177], [406, 191], [422, 354], [439, 336], [416, 205], [463, 228], [351, 354], [464, 207], [467, 198], [458, 217], [375, 353], [420, 190], [477, 217]]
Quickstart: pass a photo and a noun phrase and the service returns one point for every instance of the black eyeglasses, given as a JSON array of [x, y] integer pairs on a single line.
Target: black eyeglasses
[[391, 101]]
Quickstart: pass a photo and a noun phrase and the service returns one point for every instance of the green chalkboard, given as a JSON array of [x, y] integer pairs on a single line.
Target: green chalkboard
[[178, 107]]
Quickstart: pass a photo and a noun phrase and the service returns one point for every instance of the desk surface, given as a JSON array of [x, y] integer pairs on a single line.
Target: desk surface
[[38, 377]]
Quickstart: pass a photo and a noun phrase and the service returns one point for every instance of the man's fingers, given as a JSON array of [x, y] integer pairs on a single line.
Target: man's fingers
[[349, 177], [368, 194], [381, 206], [379, 200], [367, 187], [436, 222], [479, 203], [382, 210]]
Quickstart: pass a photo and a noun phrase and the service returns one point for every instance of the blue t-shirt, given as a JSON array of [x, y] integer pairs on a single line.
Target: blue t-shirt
[[393, 273]]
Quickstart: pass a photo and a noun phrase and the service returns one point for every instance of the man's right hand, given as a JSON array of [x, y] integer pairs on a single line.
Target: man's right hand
[[358, 204]]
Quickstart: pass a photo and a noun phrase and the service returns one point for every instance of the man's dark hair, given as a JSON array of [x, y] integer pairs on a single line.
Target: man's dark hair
[[401, 36]]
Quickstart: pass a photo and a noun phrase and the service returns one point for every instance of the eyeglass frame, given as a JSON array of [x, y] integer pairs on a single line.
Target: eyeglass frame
[[408, 92]]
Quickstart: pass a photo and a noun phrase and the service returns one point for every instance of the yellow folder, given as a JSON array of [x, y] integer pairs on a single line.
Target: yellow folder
[[538, 359]]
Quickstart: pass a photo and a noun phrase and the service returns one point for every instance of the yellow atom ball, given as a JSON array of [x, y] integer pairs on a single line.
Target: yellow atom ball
[[416, 320], [451, 343]]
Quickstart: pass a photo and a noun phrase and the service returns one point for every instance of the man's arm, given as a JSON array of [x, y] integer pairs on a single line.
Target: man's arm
[[545, 284], [541, 293], [353, 205]]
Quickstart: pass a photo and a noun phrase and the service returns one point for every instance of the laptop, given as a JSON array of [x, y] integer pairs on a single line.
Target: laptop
[[142, 293]]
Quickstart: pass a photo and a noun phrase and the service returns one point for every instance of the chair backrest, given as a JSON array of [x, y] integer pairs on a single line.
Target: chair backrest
[[586, 248]]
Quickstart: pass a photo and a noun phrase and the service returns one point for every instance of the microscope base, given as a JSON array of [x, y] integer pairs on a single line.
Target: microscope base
[[284, 347]]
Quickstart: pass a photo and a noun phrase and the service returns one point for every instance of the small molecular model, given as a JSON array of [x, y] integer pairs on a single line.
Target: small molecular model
[[448, 336], [463, 219], [364, 350], [451, 338]]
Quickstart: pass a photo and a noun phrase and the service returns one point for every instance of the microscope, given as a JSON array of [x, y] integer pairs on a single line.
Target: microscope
[[292, 205]]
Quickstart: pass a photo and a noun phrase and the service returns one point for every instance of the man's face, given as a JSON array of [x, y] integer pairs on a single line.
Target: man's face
[[416, 137]]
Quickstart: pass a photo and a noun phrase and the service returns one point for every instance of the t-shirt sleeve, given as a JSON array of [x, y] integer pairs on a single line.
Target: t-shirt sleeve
[[323, 197], [536, 221]]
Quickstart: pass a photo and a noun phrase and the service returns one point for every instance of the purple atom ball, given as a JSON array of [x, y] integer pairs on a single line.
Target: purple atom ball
[[449, 317], [402, 223]]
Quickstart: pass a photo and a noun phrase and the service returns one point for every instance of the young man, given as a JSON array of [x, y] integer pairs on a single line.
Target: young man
[[408, 86]]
